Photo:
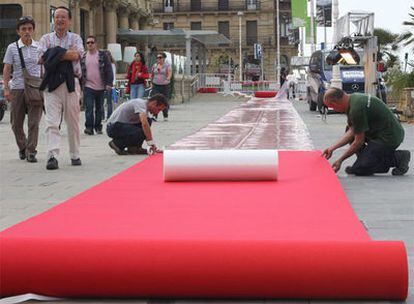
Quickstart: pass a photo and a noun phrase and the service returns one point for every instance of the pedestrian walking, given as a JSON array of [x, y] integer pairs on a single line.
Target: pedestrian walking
[[97, 77], [14, 88], [161, 73], [60, 53], [109, 94], [373, 132], [129, 125], [137, 75]]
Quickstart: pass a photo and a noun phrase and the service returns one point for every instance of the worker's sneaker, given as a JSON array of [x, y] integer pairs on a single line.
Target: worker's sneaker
[[403, 159], [116, 148], [136, 151], [76, 162], [52, 164]]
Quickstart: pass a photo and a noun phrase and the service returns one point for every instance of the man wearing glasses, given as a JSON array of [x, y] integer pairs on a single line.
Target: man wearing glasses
[[97, 76], [63, 102], [14, 88]]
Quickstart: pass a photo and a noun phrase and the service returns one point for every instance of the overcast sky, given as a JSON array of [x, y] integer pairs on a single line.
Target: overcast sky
[[389, 14]]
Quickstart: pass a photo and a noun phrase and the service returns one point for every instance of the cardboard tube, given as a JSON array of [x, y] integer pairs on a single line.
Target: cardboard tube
[[203, 165]]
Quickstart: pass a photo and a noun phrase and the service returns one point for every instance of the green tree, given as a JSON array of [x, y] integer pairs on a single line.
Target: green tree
[[387, 45], [407, 38]]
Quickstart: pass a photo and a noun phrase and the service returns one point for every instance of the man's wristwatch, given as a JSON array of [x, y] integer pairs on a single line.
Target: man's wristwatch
[[150, 143]]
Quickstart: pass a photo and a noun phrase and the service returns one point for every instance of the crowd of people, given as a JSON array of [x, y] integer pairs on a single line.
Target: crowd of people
[[67, 71]]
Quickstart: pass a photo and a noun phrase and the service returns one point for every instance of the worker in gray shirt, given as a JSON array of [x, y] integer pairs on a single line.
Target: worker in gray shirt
[[129, 125]]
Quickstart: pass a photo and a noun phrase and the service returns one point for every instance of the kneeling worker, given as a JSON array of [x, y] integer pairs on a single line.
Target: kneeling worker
[[129, 125], [373, 132]]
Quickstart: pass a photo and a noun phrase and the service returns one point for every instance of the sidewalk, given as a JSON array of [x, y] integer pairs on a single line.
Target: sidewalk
[[28, 189], [383, 203]]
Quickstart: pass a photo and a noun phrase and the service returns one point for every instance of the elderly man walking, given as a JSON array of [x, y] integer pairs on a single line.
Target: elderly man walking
[[14, 88], [373, 132], [60, 53]]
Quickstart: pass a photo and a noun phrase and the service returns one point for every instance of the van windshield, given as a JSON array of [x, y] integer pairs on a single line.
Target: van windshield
[[328, 67]]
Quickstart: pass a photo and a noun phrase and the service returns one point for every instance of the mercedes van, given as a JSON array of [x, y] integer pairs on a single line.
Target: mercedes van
[[319, 76]]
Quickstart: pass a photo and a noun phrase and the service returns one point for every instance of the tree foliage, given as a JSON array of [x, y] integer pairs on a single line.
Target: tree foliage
[[387, 45], [407, 38]]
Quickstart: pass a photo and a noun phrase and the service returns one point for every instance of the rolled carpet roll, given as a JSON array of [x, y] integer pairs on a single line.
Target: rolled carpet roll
[[202, 165]]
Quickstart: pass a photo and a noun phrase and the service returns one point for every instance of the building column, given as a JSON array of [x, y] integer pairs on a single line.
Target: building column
[[134, 21], [75, 9], [188, 56], [142, 23], [40, 11], [111, 21], [123, 18], [194, 51], [97, 24]]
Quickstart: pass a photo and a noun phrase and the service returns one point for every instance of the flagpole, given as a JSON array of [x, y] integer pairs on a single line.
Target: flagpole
[[312, 27]]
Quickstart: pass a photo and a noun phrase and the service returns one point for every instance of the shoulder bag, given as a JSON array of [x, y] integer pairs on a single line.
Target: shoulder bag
[[32, 92]]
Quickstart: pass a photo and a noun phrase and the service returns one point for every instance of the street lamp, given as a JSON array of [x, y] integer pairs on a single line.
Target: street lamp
[[278, 45], [240, 14]]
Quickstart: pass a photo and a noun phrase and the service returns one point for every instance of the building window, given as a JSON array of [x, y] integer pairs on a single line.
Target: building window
[[84, 21], [51, 20], [223, 5], [9, 13], [224, 28], [168, 6], [196, 26], [284, 26], [251, 32], [168, 25], [252, 5], [195, 5]]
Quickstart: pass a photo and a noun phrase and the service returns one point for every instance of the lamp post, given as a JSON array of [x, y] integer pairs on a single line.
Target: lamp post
[[312, 27], [336, 80], [240, 14], [277, 46]]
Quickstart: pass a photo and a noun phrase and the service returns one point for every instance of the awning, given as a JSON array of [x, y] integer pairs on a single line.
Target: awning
[[172, 38]]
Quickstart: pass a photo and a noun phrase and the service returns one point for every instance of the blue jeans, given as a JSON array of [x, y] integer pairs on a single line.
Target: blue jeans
[[93, 99], [137, 90], [109, 105], [164, 90]]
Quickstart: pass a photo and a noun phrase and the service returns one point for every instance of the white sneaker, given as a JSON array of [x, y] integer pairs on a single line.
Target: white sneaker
[[165, 118]]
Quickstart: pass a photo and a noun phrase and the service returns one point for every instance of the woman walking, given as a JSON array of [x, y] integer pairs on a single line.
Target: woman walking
[[160, 79], [137, 74]]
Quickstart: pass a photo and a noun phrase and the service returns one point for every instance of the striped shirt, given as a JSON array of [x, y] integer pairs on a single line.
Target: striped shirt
[[70, 40], [30, 56]]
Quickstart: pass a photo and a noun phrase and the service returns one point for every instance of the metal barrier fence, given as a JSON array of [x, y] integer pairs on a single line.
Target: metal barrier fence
[[226, 83]]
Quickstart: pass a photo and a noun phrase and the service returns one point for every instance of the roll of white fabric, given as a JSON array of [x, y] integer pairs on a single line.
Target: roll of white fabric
[[237, 165]]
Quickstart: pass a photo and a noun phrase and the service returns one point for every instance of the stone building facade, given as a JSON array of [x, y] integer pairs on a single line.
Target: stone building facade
[[258, 25], [101, 18]]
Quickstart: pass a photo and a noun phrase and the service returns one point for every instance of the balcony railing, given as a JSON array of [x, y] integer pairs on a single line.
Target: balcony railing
[[211, 6]]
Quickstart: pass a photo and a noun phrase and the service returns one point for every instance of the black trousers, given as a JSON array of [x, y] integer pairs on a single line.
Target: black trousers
[[164, 90], [374, 157], [126, 135]]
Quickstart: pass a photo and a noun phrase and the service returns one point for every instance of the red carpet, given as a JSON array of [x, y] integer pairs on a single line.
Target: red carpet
[[207, 90], [265, 94], [136, 236]]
